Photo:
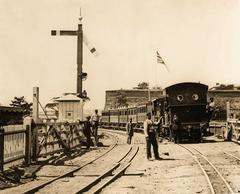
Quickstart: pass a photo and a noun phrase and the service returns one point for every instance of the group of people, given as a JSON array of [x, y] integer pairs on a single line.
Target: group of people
[[150, 133], [91, 127]]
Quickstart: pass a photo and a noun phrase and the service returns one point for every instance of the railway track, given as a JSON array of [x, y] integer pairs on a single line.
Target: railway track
[[71, 172], [114, 172], [95, 185], [233, 156], [123, 133], [110, 174], [215, 179]]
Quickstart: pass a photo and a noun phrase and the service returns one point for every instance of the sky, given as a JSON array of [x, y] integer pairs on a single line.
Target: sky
[[199, 40]]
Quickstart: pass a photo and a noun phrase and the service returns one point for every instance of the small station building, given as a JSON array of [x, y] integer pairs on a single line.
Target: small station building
[[70, 108], [67, 108]]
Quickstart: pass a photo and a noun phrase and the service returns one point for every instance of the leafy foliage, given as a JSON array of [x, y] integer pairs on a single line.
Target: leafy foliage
[[20, 102], [121, 100], [142, 85]]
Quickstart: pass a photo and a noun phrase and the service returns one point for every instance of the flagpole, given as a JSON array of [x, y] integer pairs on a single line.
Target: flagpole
[[156, 74]]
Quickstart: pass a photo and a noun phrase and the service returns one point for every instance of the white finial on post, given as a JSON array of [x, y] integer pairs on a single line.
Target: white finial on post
[[80, 16]]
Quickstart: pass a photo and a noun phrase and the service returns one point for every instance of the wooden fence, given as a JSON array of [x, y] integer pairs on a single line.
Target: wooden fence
[[217, 128], [26, 143], [57, 137], [14, 148], [229, 130]]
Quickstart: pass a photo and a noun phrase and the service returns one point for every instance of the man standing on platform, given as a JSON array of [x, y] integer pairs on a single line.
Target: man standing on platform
[[150, 136], [129, 129], [95, 122], [87, 131]]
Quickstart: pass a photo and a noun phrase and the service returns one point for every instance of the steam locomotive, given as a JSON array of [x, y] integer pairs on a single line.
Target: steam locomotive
[[181, 110]]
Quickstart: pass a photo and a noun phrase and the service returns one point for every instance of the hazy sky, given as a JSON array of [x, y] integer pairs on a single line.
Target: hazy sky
[[198, 39]]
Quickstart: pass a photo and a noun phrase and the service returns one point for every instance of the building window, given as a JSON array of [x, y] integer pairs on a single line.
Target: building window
[[69, 114]]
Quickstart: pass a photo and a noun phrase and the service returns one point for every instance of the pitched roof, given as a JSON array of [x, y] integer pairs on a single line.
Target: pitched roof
[[68, 97]]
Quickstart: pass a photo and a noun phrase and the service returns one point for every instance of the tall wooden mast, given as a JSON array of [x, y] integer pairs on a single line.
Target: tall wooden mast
[[79, 34]]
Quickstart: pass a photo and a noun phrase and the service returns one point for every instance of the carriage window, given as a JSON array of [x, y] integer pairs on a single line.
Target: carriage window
[[195, 97], [180, 98]]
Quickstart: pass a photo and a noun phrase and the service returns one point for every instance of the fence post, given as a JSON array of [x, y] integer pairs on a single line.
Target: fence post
[[1, 149], [28, 140], [28, 146], [35, 114]]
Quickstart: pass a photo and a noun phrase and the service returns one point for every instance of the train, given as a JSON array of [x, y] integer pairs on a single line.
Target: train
[[181, 110]]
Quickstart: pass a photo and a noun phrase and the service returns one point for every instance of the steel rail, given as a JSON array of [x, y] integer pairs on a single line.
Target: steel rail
[[237, 158], [220, 175], [125, 155], [35, 189], [201, 167], [103, 175], [98, 179], [117, 175]]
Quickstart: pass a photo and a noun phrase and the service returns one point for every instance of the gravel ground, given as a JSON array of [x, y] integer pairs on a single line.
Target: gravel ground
[[176, 173]]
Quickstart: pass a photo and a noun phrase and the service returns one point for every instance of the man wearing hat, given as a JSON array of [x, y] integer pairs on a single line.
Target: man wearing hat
[[87, 131], [129, 129], [150, 136]]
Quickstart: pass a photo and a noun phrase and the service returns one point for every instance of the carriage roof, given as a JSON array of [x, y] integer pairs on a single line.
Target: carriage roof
[[187, 84], [186, 93]]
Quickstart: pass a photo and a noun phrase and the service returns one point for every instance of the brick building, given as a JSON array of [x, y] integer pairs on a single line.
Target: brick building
[[130, 97], [223, 94]]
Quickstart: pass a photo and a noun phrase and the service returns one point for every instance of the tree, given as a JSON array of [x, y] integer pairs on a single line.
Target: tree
[[121, 100], [20, 102], [142, 85]]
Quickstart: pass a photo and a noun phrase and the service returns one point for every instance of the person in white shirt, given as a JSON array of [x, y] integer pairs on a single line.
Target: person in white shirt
[[150, 136]]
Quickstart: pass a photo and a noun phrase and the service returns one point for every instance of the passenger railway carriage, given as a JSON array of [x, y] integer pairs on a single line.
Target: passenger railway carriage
[[182, 110]]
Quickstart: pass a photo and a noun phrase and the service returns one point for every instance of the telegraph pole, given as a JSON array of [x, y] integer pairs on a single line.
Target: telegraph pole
[[79, 34]]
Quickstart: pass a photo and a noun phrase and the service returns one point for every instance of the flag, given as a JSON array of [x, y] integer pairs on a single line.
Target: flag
[[160, 60]]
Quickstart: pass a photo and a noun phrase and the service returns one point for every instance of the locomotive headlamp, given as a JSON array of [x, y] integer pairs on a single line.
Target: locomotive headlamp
[[195, 97], [180, 97]]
